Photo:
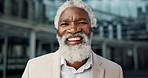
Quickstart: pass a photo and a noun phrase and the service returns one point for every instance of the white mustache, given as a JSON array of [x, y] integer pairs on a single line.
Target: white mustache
[[85, 38], [81, 34], [77, 34]]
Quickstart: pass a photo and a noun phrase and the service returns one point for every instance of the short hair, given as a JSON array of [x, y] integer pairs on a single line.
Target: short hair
[[75, 3]]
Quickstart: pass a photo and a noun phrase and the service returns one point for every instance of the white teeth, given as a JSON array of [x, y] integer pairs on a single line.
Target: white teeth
[[72, 39]]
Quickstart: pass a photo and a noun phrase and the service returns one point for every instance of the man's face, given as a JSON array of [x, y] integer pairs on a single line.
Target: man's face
[[74, 20]]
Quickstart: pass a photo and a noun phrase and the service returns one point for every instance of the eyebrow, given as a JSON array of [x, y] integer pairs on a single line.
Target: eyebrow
[[66, 20], [83, 19]]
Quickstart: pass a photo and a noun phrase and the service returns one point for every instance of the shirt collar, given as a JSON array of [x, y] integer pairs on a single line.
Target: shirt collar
[[89, 61]]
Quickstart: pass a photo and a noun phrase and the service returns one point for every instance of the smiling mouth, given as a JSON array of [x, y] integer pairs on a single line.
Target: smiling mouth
[[73, 40]]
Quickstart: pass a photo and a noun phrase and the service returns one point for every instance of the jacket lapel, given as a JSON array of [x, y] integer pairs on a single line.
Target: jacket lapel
[[97, 71], [55, 66]]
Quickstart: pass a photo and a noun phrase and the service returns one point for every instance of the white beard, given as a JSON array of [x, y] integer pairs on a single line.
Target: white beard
[[75, 53]]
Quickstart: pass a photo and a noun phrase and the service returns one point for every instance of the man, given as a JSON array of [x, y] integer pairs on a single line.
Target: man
[[74, 59]]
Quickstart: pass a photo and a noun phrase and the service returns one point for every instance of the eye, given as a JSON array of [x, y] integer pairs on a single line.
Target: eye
[[64, 24], [83, 23]]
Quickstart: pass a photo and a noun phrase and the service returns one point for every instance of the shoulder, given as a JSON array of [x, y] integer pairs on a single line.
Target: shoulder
[[107, 64], [44, 59], [112, 69]]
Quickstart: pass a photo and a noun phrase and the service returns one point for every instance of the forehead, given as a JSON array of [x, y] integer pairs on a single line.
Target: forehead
[[73, 13]]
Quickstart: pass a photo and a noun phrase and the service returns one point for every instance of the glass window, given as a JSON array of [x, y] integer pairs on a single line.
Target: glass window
[[14, 7], [1, 5], [123, 56], [1, 58], [25, 9], [142, 58]]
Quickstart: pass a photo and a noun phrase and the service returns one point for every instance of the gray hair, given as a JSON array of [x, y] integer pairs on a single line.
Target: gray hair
[[75, 3]]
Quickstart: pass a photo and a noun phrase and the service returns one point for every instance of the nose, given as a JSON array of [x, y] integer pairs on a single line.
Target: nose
[[74, 29]]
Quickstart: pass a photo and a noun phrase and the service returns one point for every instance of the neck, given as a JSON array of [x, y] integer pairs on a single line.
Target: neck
[[77, 65]]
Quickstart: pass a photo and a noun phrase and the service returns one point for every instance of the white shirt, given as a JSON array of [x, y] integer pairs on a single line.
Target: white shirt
[[70, 72]]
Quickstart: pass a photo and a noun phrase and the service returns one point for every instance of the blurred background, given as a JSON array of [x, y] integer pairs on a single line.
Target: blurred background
[[27, 31]]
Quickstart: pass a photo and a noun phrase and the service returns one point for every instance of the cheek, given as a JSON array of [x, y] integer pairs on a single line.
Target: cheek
[[86, 30], [61, 31]]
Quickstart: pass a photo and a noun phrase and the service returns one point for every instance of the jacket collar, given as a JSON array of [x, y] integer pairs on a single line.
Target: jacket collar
[[97, 70]]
